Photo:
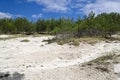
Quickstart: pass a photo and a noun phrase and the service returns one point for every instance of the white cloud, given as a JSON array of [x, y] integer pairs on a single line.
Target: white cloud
[[79, 6], [5, 15], [36, 15], [8, 15], [53, 5], [100, 6], [18, 15]]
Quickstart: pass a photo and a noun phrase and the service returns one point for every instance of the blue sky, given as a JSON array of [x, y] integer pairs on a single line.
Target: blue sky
[[34, 9]]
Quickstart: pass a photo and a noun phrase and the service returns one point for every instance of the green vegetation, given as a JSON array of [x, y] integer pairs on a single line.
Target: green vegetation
[[103, 63], [75, 40], [103, 25], [13, 36], [39, 35], [25, 40], [6, 38], [106, 59], [9, 37]]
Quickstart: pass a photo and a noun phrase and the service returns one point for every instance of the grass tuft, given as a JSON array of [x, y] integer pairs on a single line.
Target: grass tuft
[[25, 40], [107, 59]]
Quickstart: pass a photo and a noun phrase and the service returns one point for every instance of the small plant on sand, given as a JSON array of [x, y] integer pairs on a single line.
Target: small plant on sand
[[41, 45], [60, 43], [103, 69], [75, 42], [25, 40]]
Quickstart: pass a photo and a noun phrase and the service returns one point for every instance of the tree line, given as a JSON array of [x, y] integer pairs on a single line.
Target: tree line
[[104, 24]]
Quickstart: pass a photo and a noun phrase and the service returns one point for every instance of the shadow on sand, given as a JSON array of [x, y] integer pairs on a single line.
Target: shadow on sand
[[8, 76]]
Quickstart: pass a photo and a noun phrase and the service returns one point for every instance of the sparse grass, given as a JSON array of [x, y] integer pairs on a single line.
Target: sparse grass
[[103, 63], [39, 35], [107, 59], [20, 35], [7, 38], [60, 42], [25, 40], [103, 69], [63, 41], [75, 41], [42, 45], [13, 36], [50, 40], [91, 40]]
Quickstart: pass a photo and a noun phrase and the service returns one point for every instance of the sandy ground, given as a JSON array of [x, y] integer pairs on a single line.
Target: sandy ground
[[3, 36], [41, 61]]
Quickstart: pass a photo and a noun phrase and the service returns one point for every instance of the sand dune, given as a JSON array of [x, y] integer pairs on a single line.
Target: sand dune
[[41, 61]]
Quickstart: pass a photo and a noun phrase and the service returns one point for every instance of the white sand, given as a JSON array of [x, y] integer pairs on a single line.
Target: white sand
[[35, 57], [117, 70], [4, 36]]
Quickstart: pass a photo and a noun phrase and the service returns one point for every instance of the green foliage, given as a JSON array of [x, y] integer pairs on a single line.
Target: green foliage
[[56, 30], [75, 41], [40, 26], [103, 25]]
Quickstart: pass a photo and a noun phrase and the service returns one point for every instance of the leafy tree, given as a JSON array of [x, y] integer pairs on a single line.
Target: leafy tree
[[104, 24], [41, 26]]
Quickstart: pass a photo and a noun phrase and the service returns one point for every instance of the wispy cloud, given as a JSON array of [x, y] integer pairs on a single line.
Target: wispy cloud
[[100, 6], [5, 15], [36, 15], [79, 6], [8, 15], [53, 5]]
